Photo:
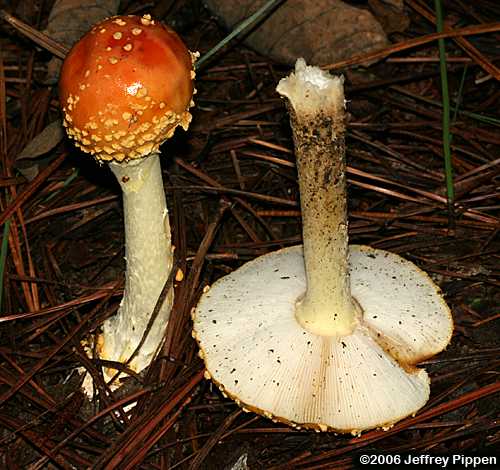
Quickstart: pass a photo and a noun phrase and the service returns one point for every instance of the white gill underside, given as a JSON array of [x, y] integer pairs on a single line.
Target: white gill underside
[[148, 254], [258, 353]]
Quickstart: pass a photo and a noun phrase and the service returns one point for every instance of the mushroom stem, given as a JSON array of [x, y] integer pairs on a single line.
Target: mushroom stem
[[316, 107], [149, 259]]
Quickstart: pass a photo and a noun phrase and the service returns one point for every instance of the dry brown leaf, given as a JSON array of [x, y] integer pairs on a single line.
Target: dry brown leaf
[[391, 15], [320, 31], [27, 162]]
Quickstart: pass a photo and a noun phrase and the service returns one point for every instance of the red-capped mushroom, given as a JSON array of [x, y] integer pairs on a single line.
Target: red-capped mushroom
[[124, 88]]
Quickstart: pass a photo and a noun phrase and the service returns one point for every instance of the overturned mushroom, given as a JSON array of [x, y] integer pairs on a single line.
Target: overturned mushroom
[[124, 88], [323, 335]]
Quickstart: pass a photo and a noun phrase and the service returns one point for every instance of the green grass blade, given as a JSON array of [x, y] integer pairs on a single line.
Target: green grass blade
[[3, 256], [448, 167], [460, 95], [242, 26], [66, 182]]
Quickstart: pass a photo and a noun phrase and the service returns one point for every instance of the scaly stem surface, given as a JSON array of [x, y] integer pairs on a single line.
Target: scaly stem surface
[[149, 258], [316, 107]]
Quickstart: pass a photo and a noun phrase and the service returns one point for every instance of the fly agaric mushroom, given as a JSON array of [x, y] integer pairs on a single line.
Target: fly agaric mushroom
[[324, 335], [124, 88]]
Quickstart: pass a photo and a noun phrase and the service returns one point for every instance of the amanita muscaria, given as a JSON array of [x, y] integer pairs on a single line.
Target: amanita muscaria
[[124, 88], [324, 335]]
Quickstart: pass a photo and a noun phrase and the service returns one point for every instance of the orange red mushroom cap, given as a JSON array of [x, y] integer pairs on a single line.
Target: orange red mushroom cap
[[125, 86]]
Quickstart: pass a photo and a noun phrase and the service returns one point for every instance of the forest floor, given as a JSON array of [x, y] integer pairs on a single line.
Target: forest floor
[[232, 193]]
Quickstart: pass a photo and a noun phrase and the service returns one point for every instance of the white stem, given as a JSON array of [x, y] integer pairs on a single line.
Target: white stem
[[149, 258], [316, 107]]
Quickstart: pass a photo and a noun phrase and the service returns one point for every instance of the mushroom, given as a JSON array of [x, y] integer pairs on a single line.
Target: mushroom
[[124, 88], [325, 335]]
